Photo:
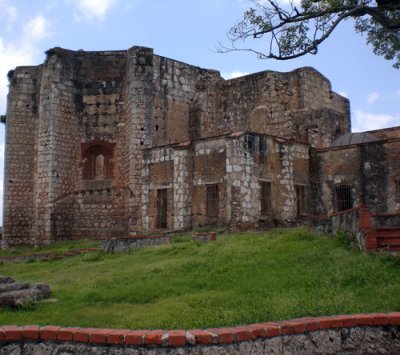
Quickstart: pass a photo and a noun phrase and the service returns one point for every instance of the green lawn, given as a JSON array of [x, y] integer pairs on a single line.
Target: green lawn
[[59, 247], [239, 279]]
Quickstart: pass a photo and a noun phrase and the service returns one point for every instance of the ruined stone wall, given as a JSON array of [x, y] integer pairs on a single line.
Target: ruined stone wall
[[387, 133], [209, 168], [392, 168], [102, 132], [20, 157], [159, 167], [248, 166], [181, 100], [332, 168], [292, 105], [99, 207], [78, 99], [371, 169], [58, 140]]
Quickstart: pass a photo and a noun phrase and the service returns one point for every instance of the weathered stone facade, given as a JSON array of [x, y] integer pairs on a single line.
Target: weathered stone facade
[[108, 144], [360, 170]]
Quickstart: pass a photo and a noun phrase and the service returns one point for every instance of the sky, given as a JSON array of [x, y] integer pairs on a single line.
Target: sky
[[189, 31]]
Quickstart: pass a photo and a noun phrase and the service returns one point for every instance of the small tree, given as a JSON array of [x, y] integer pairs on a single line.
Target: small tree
[[295, 30]]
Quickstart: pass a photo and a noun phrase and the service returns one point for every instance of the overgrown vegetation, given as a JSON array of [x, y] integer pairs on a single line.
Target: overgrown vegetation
[[239, 279], [59, 247]]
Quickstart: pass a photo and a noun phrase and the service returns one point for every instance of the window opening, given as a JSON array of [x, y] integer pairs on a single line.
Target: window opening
[[397, 184], [99, 167], [301, 199], [212, 200], [162, 208], [343, 198], [250, 143], [265, 198], [97, 161], [263, 149]]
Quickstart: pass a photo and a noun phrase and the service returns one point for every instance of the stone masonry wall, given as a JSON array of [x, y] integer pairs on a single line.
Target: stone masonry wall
[[159, 170], [355, 334], [182, 184], [89, 125], [58, 141], [287, 105], [371, 170], [20, 157], [209, 169]]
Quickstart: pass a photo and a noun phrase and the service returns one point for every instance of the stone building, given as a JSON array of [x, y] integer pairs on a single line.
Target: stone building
[[119, 143]]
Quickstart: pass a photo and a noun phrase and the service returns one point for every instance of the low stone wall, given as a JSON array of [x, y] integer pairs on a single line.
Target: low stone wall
[[356, 334], [347, 221], [352, 221], [112, 245], [204, 237], [45, 256], [382, 220]]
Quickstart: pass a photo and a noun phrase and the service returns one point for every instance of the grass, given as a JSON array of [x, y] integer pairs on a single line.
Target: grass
[[239, 279], [58, 247]]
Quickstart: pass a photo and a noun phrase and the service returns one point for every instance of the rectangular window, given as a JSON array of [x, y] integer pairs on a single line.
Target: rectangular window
[[301, 200], [162, 208], [212, 200], [265, 197], [397, 184], [263, 149], [343, 198], [250, 143]]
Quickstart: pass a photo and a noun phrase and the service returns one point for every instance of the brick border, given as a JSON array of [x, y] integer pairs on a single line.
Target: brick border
[[210, 336]]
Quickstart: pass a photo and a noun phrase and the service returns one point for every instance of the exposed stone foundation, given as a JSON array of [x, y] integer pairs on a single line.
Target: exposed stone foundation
[[356, 334]]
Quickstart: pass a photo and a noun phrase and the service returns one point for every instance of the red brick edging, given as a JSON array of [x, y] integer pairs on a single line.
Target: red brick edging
[[210, 336]]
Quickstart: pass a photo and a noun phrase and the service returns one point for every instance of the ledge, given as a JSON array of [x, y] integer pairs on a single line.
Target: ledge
[[179, 338]]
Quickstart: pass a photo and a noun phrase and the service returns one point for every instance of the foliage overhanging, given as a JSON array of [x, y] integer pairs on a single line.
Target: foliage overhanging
[[293, 29]]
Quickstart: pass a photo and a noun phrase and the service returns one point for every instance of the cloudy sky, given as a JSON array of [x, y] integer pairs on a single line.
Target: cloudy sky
[[189, 31]]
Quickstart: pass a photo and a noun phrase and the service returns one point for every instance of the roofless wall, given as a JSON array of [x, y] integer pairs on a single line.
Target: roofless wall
[[80, 126]]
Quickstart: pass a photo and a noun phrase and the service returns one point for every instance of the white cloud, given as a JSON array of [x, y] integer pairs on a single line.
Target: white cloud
[[343, 93], [21, 51], [97, 9], [36, 29], [234, 74], [372, 97], [365, 121], [10, 13]]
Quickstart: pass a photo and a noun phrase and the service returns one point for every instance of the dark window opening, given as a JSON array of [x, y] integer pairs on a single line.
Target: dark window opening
[[212, 200], [250, 143], [343, 198], [162, 209], [301, 200], [397, 184], [263, 149], [263, 145], [265, 197]]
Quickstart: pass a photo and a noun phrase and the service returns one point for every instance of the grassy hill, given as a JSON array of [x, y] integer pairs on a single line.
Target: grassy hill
[[239, 279]]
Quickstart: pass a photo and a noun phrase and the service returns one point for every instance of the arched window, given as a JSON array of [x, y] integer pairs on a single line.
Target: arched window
[[97, 159]]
